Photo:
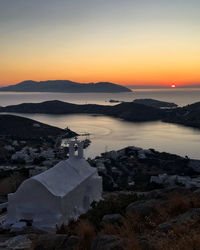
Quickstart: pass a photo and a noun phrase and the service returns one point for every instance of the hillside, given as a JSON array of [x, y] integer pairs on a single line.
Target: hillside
[[155, 103], [24, 128], [188, 115], [65, 86], [130, 111]]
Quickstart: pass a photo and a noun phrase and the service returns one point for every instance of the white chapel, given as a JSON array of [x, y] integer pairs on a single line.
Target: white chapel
[[57, 195]]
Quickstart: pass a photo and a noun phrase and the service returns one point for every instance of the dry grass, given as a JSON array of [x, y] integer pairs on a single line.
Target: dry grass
[[181, 241], [86, 233], [134, 226]]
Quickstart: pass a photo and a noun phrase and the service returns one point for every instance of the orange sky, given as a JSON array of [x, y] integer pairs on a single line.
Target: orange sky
[[151, 42]]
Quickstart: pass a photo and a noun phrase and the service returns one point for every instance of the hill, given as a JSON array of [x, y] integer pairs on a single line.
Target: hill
[[128, 110], [65, 86], [155, 103], [24, 128], [188, 115]]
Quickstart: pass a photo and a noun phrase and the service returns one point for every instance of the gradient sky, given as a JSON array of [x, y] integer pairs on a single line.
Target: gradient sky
[[122, 41]]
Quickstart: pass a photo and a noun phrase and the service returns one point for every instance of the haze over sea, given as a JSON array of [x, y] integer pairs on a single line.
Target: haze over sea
[[108, 133]]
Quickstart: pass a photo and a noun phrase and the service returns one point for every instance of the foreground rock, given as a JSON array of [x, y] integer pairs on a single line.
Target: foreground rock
[[55, 242], [112, 219], [143, 207], [107, 242], [187, 219]]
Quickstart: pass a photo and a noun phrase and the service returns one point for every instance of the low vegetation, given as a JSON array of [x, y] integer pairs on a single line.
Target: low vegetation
[[142, 232]]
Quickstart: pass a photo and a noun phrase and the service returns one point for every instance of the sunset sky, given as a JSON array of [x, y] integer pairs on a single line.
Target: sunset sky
[[123, 41]]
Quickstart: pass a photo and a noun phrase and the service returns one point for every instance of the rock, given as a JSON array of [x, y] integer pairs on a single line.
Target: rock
[[107, 242], [17, 242], [111, 155], [194, 165], [188, 218], [9, 148], [133, 148], [15, 143], [173, 180], [112, 219], [18, 226], [164, 227], [36, 125], [51, 241], [144, 243], [197, 192], [36, 171], [143, 207], [71, 243], [141, 156]]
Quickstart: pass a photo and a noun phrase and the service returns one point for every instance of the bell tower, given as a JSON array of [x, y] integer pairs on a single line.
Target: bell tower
[[79, 145]]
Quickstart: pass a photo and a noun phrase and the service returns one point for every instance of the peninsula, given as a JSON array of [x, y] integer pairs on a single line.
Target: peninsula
[[129, 111]]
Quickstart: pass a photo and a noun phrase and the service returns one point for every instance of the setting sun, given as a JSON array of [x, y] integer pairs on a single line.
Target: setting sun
[[173, 86]]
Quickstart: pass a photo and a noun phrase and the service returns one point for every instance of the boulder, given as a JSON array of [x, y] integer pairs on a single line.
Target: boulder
[[18, 226], [17, 242], [112, 219], [107, 242], [143, 207], [189, 218], [56, 242]]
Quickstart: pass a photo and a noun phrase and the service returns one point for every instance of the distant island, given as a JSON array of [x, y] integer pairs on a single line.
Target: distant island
[[65, 86]]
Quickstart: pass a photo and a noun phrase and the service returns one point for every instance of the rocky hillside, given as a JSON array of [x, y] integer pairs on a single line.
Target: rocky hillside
[[24, 128], [157, 220], [151, 202]]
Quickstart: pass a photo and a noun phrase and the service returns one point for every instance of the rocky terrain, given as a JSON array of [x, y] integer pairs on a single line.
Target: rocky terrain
[[138, 169], [65, 86], [157, 220], [151, 201]]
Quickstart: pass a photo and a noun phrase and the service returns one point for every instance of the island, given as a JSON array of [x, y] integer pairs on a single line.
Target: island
[[65, 86], [129, 111]]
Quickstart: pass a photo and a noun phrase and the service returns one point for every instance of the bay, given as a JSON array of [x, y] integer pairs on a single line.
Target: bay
[[107, 133]]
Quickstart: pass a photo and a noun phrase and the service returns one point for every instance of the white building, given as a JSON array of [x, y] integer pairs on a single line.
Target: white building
[[58, 194]]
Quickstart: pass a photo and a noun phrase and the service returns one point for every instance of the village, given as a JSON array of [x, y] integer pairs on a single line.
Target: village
[[66, 190], [129, 172]]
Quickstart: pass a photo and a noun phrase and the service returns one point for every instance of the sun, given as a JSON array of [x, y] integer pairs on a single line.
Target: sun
[[173, 86]]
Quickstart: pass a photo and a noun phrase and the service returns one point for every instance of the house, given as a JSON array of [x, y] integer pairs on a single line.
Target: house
[[57, 195]]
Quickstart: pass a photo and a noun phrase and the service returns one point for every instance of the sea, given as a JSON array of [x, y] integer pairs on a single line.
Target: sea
[[107, 133]]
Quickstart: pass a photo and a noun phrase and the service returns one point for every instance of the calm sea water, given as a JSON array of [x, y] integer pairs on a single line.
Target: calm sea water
[[109, 133], [179, 96]]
